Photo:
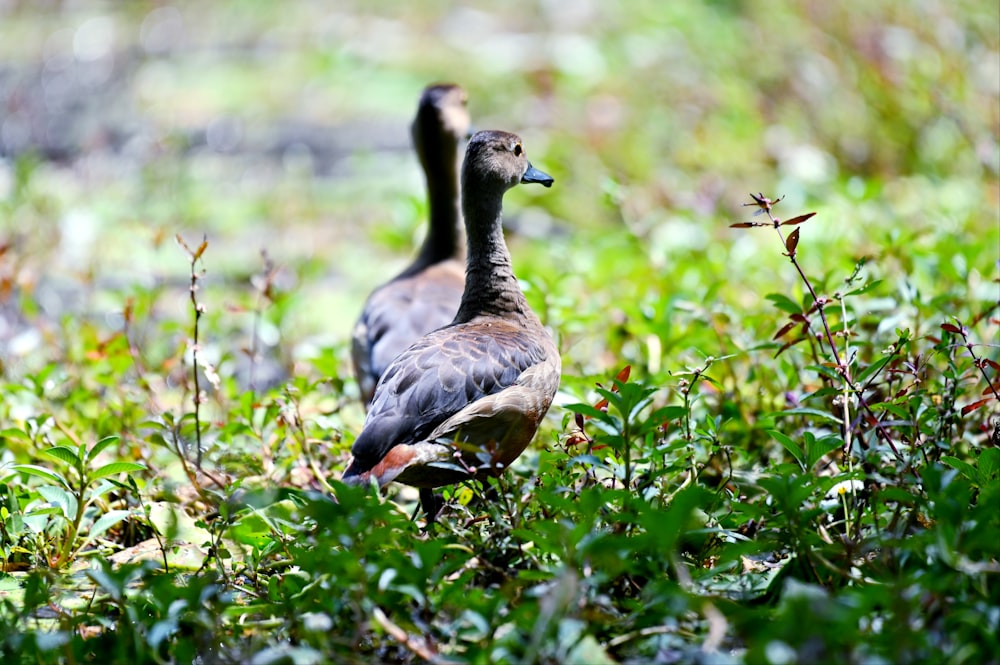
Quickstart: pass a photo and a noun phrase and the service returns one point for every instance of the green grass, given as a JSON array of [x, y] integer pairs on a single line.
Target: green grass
[[712, 502]]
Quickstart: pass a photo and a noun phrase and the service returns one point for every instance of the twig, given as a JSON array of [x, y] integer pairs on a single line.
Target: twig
[[419, 646], [199, 309], [791, 243], [980, 363]]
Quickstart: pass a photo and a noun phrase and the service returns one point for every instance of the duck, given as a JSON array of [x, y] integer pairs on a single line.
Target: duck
[[464, 401], [426, 294]]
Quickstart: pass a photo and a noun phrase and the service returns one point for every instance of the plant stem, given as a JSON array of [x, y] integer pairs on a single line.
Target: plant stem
[[842, 366], [194, 361], [74, 526]]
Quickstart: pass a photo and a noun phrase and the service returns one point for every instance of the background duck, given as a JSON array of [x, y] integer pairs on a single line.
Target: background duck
[[426, 295]]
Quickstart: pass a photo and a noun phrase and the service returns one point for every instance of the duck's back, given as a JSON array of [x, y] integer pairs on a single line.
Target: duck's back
[[455, 380], [401, 311]]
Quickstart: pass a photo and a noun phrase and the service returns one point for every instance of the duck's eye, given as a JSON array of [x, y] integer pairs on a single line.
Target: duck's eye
[[517, 150]]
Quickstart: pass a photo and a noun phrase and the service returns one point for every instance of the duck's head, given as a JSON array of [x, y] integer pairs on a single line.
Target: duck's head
[[442, 117], [497, 159]]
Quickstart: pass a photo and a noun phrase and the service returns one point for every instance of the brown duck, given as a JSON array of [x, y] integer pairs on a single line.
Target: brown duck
[[465, 400], [426, 295]]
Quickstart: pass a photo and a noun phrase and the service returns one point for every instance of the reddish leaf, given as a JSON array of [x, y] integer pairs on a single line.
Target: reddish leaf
[[992, 390], [801, 318], [623, 375], [602, 405], [797, 220], [992, 363], [744, 225], [982, 315], [784, 329], [951, 328], [792, 242], [968, 408], [788, 345], [201, 249], [578, 418]]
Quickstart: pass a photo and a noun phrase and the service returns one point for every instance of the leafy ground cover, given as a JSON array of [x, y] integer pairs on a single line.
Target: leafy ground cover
[[776, 438]]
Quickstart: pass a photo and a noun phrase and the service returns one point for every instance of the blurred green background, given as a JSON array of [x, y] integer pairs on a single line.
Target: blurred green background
[[283, 126]]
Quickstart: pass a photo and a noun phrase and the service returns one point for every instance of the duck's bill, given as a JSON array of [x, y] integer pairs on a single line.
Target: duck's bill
[[534, 175]]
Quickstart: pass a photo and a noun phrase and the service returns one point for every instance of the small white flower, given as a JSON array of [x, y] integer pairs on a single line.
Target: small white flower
[[317, 622], [845, 486]]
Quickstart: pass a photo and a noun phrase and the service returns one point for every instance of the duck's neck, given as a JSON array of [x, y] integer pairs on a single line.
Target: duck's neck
[[445, 232], [490, 285]]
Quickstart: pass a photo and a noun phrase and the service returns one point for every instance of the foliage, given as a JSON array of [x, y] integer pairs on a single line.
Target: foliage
[[777, 437]]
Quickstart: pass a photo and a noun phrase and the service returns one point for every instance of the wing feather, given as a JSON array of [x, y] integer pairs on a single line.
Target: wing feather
[[439, 376]]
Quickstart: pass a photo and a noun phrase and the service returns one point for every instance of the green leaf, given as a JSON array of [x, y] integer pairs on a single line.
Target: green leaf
[[115, 468], [589, 651], [38, 520], [112, 586], [789, 445], [585, 460], [989, 465], [41, 472], [102, 489], [826, 371], [895, 409], [784, 303], [64, 454], [818, 448], [172, 521], [15, 433], [805, 411], [864, 289], [872, 369], [64, 500], [897, 494], [588, 410], [105, 522], [251, 529], [964, 468], [665, 413], [100, 446]]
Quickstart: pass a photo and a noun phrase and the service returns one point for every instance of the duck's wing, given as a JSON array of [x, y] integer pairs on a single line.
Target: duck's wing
[[494, 430], [443, 375]]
